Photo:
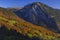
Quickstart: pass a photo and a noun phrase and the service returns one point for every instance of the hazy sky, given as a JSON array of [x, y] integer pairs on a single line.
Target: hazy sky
[[18, 3]]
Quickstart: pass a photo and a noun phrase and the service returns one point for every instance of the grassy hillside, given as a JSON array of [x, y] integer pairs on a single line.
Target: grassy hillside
[[11, 21]]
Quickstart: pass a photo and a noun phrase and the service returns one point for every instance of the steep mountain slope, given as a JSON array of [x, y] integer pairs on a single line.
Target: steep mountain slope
[[35, 14], [11, 21], [54, 13], [51, 11]]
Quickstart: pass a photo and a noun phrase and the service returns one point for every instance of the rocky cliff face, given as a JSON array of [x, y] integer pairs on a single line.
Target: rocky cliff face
[[35, 14]]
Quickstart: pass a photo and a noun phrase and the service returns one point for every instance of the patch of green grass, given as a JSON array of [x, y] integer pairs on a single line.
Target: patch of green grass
[[30, 35], [12, 21], [9, 21], [4, 19]]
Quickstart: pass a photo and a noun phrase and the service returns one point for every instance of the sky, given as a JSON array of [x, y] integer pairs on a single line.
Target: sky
[[21, 3]]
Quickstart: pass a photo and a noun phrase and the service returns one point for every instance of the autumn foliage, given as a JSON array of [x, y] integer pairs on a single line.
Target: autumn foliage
[[23, 27]]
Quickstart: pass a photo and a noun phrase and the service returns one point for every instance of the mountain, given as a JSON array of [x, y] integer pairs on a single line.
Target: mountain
[[35, 13], [11, 26], [52, 11]]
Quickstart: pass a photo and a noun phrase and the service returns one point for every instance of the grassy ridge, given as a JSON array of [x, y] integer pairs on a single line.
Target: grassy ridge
[[33, 32]]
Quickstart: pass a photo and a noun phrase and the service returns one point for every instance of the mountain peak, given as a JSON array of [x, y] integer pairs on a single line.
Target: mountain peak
[[35, 14], [34, 3]]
